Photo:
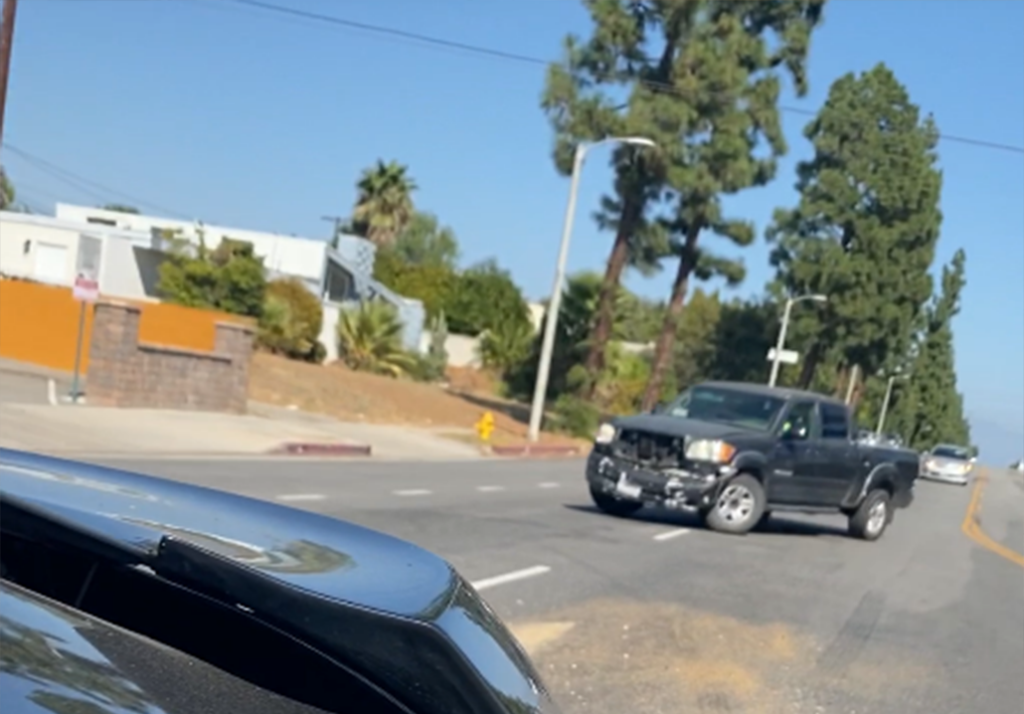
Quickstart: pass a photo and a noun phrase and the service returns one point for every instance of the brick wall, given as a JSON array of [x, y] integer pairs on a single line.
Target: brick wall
[[126, 373]]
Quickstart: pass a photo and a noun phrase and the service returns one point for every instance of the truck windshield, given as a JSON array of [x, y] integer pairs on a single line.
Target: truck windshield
[[748, 410]]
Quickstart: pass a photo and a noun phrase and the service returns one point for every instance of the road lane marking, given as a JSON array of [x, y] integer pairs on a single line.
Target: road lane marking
[[413, 492], [971, 525], [291, 497], [489, 489], [669, 535], [511, 577], [549, 484]]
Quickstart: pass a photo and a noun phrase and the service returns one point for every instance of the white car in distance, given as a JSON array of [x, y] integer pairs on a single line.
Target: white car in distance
[[948, 463]]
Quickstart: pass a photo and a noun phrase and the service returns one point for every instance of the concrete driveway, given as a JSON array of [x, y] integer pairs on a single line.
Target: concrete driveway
[[656, 615]]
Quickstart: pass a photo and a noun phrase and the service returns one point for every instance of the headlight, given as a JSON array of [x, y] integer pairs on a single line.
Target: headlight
[[605, 434], [713, 450]]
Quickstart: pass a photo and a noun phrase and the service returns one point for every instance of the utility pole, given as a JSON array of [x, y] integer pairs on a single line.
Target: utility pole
[[338, 221], [6, 44]]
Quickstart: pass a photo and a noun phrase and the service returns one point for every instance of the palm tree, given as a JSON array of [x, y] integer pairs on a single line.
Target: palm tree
[[384, 205], [370, 339]]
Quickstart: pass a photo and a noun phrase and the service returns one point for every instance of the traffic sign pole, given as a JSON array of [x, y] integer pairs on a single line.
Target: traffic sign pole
[[76, 392]]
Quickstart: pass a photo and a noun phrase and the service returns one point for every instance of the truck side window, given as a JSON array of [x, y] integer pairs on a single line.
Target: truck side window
[[799, 421], [835, 422]]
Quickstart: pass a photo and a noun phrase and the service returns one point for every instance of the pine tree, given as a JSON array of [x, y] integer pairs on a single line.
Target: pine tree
[[929, 409], [691, 69], [865, 229]]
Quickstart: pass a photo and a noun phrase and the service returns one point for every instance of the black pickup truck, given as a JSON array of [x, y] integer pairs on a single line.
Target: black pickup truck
[[736, 452]]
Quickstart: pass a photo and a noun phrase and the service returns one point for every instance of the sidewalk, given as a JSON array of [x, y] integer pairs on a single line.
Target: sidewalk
[[97, 431]]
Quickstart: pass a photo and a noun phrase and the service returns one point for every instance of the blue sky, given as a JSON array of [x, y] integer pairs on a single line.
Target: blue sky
[[243, 117]]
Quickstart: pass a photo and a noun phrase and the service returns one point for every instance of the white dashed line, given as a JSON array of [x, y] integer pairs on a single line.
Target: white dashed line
[[413, 492], [548, 484], [511, 577], [489, 489], [301, 497], [669, 535]]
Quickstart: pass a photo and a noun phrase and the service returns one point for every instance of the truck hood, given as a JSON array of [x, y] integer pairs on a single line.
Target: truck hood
[[679, 427]]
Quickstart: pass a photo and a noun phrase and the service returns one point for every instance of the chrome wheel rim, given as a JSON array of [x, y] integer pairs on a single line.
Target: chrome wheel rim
[[735, 504], [876, 518]]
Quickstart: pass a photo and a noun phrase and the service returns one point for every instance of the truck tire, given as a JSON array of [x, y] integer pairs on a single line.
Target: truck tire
[[739, 506], [613, 506], [872, 517], [762, 522]]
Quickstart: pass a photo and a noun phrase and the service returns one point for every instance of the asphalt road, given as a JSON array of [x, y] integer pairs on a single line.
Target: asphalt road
[[656, 615]]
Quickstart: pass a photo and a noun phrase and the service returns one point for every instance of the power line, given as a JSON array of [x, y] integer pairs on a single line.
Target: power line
[[537, 61], [92, 188]]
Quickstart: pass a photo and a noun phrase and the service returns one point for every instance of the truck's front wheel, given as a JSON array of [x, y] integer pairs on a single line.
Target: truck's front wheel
[[739, 506], [613, 506], [873, 516]]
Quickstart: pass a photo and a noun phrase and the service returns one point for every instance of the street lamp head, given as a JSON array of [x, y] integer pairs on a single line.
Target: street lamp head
[[819, 298], [637, 141]]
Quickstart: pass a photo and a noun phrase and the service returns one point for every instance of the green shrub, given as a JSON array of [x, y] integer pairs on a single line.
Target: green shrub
[[370, 340], [504, 347], [291, 321], [229, 278], [575, 416]]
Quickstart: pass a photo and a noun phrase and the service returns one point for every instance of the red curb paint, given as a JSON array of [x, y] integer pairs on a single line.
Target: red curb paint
[[321, 449]]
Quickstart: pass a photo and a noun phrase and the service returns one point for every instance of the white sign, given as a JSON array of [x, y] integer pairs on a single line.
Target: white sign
[[785, 356], [87, 268]]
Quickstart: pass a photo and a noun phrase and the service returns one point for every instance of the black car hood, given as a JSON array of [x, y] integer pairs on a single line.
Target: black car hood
[[678, 426], [350, 592]]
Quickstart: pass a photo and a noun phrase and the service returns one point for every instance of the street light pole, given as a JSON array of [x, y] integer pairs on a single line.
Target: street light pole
[[540, 387], [885, 404], [780, 343]]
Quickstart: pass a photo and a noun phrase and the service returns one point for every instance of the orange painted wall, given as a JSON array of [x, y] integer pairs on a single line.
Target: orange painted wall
[[39, 325]]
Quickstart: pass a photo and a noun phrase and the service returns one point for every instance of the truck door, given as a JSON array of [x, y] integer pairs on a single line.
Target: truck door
[[794, 461], [840, 461]]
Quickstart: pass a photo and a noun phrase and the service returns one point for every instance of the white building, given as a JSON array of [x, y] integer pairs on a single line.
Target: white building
[[133, 246]]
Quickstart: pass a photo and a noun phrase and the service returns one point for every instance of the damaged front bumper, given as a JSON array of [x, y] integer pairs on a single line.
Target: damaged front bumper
[[690, 488]]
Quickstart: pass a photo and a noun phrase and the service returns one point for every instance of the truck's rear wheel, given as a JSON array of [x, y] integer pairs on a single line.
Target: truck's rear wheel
[[739, 506], [614, 506], [872, 517]]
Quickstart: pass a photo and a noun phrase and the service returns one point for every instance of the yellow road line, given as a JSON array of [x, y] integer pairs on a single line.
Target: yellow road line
[[971, 525]]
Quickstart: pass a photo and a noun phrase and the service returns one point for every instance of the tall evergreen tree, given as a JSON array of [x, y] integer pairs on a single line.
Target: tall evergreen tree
[[929, 409], [865, 229], [687, 68]]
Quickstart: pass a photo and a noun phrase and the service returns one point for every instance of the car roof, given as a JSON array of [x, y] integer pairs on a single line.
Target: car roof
[[778, 392], [348, 591]]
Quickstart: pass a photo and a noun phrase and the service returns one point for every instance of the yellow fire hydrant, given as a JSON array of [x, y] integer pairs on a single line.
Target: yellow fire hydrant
[[485, 427]]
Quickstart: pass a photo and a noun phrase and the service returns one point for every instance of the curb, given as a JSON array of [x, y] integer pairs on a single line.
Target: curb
[[298, 448], [532, 450]]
